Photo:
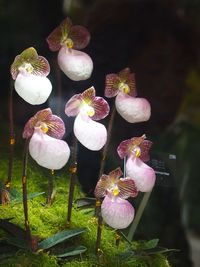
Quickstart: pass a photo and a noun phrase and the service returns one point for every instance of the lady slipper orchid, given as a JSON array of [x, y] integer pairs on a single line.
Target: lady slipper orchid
[[137, 151], [87, 108], [122, 85], [115, 209], [29, 72], [68, 39], [45, 131]]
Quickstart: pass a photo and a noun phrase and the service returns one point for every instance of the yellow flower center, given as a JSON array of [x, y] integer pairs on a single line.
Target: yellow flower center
[[88, 109], [124, 88], [27, 67], [69, 43], [137, 151], [116, 191], [44, 127]]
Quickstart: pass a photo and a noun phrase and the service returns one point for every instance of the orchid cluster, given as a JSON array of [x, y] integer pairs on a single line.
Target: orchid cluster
[[45, 131]]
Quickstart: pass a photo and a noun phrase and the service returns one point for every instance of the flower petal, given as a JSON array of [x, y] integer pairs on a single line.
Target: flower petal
[[101, 108], [80, 36], [116, 173], [133, 109], [123, 148], [59, 35], [55, 125], [127, 188], [116, 212], [143, 175], [129, 78], [111, 87], [145, 147], [72, 107], [91, 134], [75, 64], [102, 185], [29, 56], [47, 151], [33, 89]]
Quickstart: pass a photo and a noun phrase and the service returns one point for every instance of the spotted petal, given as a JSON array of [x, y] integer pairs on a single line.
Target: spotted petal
[[47, 151], [55, 124], [116, 173], [123, 148], [129, 78], [72, 107], [39, 64], [143, 175], [80, 36], [102, 185], [116, 212], [127, 188], [91, 134], [59, 35], [111, 86], [145, 147]]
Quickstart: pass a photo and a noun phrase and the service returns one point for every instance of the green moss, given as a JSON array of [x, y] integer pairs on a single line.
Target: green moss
[[47, 220]]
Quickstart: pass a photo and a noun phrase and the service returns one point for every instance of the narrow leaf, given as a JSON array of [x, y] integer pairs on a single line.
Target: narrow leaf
[[60, 237], [12, 228], [72, 251]]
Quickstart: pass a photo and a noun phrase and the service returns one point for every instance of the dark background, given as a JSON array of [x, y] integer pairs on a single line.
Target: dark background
[[159, 41]]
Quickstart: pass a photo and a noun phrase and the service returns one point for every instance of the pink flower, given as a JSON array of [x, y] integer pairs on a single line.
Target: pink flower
[[29, 72], [122, 85], [87, 108], [137, 151], [116, 211], [68, 39], [45, 131]]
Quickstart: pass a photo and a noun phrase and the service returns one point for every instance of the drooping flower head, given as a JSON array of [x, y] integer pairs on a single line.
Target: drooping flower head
[[123, 82], [45, 131], [29, 70], [122, 85], [136, 150], [116, 210], [137, 146], [87, 108], [68, 39]]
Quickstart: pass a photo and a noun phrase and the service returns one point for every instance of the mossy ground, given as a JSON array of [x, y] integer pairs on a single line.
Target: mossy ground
[[47, 220]]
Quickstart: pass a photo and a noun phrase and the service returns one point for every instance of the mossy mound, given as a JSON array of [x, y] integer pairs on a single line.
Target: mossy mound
[[47, 220]]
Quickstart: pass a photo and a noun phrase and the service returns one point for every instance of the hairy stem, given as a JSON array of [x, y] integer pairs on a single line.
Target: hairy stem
[[5, 192], [24, 190], [102, 165], [73, 177], [138, 216], [51, 191]]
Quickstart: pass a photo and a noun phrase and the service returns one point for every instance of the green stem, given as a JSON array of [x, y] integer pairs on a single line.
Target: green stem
[[24, 190], [98, 240], [138, 216], [73, 177]]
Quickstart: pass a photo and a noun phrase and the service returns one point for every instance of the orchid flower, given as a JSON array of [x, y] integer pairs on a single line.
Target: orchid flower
[[87, 108], [136, 150], [68, 39], [116, 211], [29, 72], [122, 85], [45, 131]]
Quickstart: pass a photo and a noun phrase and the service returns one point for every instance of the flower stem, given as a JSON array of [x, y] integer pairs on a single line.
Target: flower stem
[[102, 165], [73, 176], [6, 191], [24, 190], [138, 216], [51, 191]]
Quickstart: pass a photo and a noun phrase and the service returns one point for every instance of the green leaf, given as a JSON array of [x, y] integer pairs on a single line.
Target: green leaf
[[19, 243], [12, 228], [85, 202], [17, 197], [72, 251], [59, 237], [151, 243]]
